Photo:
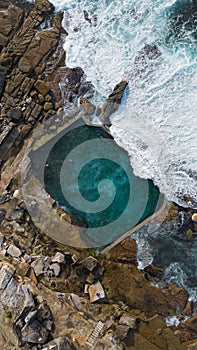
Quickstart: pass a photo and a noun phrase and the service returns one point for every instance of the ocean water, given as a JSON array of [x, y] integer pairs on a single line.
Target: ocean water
[[156, 124], [153, 45], [169, 248]]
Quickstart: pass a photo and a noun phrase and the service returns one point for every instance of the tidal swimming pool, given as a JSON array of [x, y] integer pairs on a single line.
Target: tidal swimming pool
[[91, 178]]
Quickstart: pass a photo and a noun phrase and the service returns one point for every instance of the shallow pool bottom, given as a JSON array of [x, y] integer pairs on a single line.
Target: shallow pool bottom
[[91, 178]]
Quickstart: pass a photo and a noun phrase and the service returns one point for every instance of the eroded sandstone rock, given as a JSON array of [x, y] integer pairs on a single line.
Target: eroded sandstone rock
[[126, 282], [11, 19]]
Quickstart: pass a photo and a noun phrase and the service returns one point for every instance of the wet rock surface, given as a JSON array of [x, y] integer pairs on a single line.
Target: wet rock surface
[[112, 102]]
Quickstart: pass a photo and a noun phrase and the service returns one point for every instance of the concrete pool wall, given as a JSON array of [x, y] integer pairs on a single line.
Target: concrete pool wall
[[48, 220]]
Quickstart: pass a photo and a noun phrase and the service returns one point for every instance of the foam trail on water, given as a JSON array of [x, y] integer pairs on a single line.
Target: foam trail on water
[[156, 122], [156, 125], [168, 247]]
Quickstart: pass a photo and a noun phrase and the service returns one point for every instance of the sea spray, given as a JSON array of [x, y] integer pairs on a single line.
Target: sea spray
[[167, 246], [156, 124]]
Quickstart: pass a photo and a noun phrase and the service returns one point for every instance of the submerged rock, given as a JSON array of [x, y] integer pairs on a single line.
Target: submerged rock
[[146, 54]]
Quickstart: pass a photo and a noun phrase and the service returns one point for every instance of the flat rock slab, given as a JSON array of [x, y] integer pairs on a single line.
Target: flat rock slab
[[14, 251]]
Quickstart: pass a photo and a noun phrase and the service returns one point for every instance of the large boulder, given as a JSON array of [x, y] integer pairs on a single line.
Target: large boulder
[[18, 299], [35, 333], [61, 343]]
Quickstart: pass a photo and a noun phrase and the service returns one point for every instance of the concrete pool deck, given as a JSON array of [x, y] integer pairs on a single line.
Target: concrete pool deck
[[48, 220]]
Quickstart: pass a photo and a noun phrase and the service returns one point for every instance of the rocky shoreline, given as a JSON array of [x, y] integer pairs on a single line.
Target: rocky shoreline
[[54, 297]]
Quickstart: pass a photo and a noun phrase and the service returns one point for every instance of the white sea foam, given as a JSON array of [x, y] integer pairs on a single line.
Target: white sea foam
[[157, 124], [172, 321]]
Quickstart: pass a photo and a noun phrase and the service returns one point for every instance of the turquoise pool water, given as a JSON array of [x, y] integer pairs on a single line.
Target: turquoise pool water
[[97, 185]]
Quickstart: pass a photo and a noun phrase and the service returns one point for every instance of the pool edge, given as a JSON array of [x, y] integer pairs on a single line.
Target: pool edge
[[160, 211]]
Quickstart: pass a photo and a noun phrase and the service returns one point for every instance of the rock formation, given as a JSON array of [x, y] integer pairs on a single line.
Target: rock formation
[[54, 297]]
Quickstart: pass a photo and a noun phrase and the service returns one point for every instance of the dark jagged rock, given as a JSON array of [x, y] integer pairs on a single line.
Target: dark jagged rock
[[6, 274], [10, 135], [2, 214], [35, 333], [64, 81], [112, 102], [191, 323], [15, 114], [44, 316], [25, 5]]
